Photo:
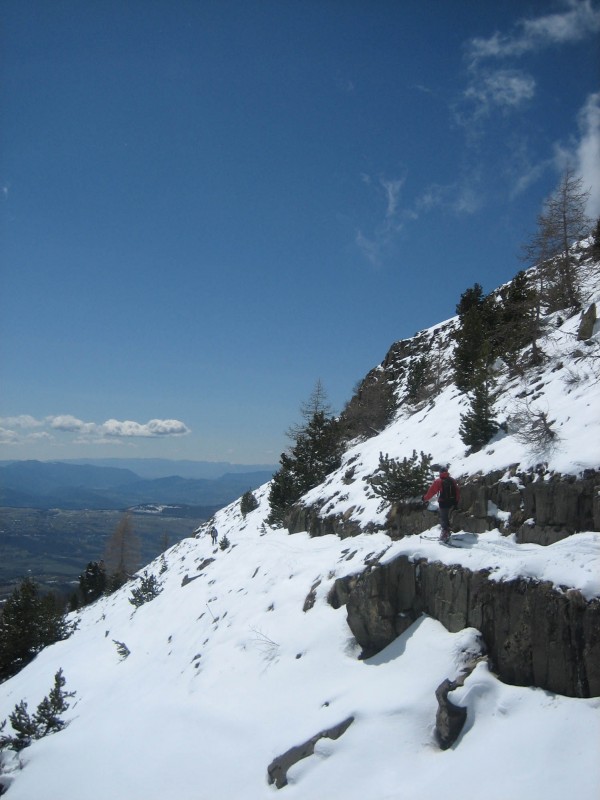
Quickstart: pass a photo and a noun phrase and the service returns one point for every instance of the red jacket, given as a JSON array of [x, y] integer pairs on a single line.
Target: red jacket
[[436, 487]]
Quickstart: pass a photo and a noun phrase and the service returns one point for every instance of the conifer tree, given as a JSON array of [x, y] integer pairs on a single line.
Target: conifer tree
[[248, 502], [398, 482], [518, 326], [470, 336], [28, 623], [478, 425], [47, 716], [92, 582], [316, 451]]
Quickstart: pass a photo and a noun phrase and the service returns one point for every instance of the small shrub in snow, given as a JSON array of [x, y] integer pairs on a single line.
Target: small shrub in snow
[[46, 719], [399, 482], [122, 649], [224, 543], [148, 589], [532, 428]]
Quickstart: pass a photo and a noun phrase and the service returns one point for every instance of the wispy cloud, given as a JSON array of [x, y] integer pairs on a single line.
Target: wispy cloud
[[504, 89], [375, 244], [578, 21], [495, 82], [16, 430]]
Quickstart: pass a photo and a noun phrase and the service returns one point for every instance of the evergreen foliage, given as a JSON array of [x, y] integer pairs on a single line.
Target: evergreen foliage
[[316, 452], [399, 482], [29, 622], [122, 649], [517, 324], [27, 728], [473, 341], [418, 379], [478, 425], [248, 503], [92, 583], [147, 589], [224, 543]]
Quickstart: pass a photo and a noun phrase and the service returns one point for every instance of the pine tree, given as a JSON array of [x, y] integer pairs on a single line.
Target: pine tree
[[46, 719], [248, 503], [92, 582], [316, 452], [418, 379], [28, 623], [147, 590], [478, 425], [471, 336], [47, 716], [518, 326], [399, 482], [24, 727]]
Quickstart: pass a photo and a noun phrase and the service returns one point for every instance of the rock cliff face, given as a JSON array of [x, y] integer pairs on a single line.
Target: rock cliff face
[[537, 507], [535, 635]]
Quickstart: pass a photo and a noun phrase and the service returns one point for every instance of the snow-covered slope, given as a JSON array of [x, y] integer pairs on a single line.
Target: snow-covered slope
[[566, 387], [230, 666], [228, 671]]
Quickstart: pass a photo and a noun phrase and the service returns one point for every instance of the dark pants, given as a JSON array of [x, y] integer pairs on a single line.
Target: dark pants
[[445, 515]]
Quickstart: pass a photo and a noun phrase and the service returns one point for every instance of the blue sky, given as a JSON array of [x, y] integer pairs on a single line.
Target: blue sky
[[208, 205]]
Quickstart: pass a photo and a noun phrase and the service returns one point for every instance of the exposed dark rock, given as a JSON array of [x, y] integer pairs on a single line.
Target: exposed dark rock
[[311, 519], [278, 768], [186, 579], [586, 326], [340, 591], [311, 596], [450, 719], [539, 508], [535, 634]]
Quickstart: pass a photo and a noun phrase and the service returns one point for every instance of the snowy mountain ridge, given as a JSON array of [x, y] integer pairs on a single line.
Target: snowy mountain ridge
[[242, 657]]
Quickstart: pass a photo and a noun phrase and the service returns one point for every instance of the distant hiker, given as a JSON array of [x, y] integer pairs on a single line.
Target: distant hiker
[[214, 534], [448, 496]]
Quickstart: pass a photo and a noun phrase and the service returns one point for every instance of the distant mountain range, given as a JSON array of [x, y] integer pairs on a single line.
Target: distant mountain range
[[117, 484]]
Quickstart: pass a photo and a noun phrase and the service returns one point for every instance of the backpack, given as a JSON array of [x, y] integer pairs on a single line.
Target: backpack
[[447, 496]]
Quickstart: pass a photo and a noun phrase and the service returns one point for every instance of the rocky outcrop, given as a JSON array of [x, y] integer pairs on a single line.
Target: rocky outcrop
[[278, 768], [586, 326], [312, 519], [538, 507], [535, 635], [450, 718]]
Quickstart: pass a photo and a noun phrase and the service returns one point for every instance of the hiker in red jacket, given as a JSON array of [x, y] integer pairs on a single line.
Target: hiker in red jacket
[[448, 496]]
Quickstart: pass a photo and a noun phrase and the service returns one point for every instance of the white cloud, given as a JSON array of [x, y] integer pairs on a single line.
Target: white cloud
[[505, 89], [588, 152], [21, 421], [70, 424], [578, 21], [155, 427], [8, 436], [582, 153], [112, 431]]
